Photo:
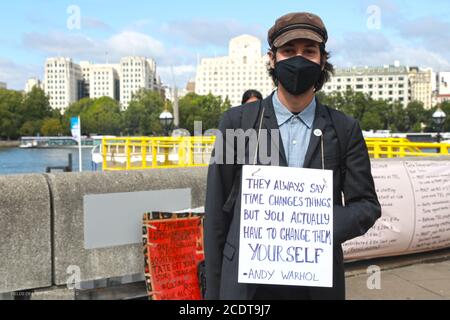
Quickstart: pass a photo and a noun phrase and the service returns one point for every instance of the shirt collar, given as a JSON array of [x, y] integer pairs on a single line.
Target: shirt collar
[[283, 114]]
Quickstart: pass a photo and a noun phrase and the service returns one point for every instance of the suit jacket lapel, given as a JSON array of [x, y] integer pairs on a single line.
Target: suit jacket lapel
[[320, 122]]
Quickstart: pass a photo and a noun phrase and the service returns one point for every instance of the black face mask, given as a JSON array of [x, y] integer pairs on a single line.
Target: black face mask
[[297, 74]]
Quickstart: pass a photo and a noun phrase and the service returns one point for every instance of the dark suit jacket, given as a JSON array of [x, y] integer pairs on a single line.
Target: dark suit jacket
[[353, 178]]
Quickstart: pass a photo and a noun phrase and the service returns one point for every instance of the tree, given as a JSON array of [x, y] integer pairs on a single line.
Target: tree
[[100, 116], [76, 109], [399, 122], [30, 128], [35, 106], [416, 114], [142, 115], [103, 117], [51, 127], [10, 119], [207, 109]]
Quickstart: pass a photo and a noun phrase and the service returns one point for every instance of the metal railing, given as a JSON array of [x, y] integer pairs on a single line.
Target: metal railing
[[140, 153], [401, 147]]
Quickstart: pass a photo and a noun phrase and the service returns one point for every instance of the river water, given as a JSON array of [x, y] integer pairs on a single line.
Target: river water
[[21, 161]]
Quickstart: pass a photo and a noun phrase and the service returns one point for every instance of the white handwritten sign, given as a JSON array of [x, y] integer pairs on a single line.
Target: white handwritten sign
[[415, 203], [286, 232]]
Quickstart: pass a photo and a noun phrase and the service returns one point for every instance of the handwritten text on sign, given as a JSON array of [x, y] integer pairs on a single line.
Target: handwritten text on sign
[[173, 258], [286, 233]]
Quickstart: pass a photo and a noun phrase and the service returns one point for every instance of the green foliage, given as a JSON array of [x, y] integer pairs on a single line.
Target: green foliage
[[10, 118], [142, 116], [30, 114], [207, 109], [30, 128], [378, 114], [51, 127], [100, 116], [35, 106]]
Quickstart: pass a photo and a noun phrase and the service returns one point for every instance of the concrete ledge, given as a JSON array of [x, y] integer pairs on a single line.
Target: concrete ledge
[[9, 144], [68, 191], [25, 243], [53, 293]]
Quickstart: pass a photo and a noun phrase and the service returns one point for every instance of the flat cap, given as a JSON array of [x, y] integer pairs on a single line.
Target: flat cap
[[297, 25]]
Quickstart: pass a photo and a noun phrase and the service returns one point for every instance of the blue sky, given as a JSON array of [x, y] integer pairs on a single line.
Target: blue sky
[[176, 33]]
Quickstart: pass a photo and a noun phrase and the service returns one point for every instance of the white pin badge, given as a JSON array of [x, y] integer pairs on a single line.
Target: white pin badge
[[318, 133]]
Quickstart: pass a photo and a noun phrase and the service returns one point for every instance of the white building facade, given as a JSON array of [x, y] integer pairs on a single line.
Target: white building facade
[[137, 73], [66, 82], [423, 84], [229, 77], [104, 81], [62, 82], [33, 82], [390, 83], [3, 85]]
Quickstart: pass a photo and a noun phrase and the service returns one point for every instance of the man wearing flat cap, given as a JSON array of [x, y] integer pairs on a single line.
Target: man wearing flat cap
[[309, 135]]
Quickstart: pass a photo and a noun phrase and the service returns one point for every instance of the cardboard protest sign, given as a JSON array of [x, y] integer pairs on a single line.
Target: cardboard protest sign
[[286, 231], [173, 250]]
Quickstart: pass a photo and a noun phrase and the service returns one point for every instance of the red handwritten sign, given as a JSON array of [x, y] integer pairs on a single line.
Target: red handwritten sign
[[174, 248]]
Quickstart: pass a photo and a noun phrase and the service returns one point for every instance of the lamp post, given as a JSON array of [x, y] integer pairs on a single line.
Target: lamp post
[[166, 119], [439, 119]]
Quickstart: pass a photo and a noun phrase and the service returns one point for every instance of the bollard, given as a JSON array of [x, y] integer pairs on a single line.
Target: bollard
[[67, 168]]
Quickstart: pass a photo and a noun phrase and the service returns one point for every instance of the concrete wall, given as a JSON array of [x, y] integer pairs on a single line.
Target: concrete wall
[[41, 222], [25, 231], [68, 191]]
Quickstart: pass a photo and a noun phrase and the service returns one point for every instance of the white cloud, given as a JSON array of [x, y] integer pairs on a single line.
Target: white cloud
[[181, 73], [15, 75], [93, 23], [209, 32], [136, 43], [375, 49], [80, 46]]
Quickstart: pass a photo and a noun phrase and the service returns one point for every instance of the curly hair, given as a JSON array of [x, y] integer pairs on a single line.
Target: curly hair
[[325, 76]]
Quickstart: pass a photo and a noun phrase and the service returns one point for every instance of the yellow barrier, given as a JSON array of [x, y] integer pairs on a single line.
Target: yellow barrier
[[140, 153], [392, 148]]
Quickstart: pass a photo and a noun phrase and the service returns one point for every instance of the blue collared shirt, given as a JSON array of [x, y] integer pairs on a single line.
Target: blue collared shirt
[[295, 130]]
